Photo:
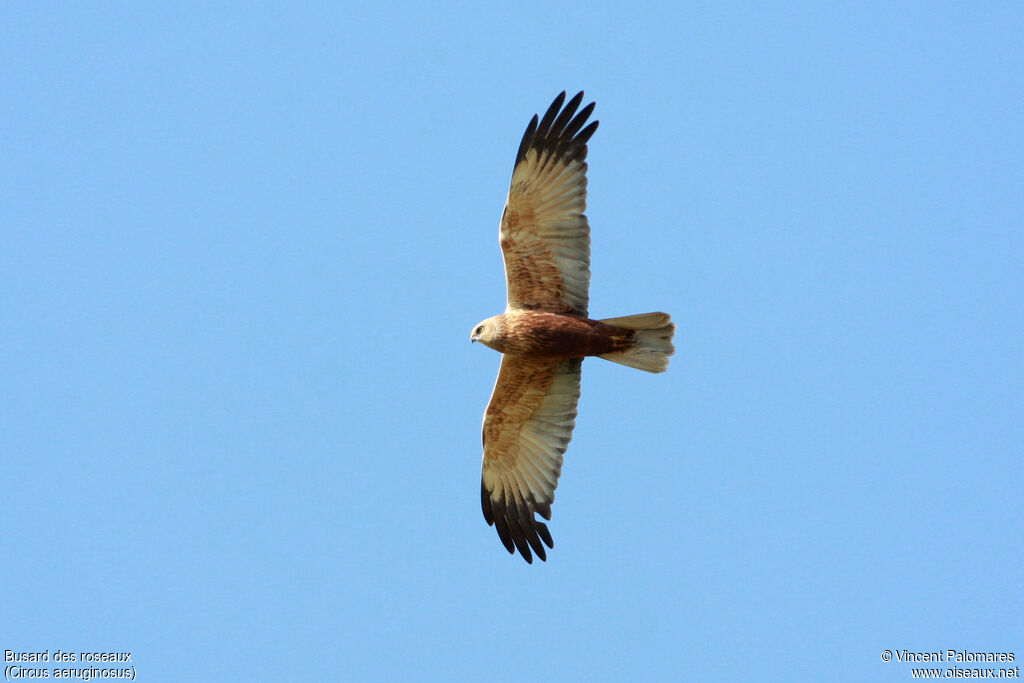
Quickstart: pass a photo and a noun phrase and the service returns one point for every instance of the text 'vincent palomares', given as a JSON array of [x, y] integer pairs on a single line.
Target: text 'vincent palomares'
[[953, 656]]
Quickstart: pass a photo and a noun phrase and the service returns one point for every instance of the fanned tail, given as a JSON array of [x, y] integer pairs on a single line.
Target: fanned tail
[[652, 341]]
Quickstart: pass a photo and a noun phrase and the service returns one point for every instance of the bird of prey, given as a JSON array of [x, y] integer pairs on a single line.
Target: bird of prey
[[545, 330]]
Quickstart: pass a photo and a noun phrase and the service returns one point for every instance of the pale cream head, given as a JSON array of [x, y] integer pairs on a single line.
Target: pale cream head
[[485, 331]]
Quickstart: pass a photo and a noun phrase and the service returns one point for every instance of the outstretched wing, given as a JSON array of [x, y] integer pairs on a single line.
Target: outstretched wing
[[527, 427], [544, 235]]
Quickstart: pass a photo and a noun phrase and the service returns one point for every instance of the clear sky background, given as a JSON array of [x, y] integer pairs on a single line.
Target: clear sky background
[[242, 248]]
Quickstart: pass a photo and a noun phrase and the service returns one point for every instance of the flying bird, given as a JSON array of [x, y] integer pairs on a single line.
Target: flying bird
[[545, 331]]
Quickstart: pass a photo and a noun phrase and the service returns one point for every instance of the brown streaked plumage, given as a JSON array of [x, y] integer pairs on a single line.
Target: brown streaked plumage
[[556, 336], [545, 333]]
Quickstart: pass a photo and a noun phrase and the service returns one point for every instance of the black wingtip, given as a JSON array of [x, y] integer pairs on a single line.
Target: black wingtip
[[485, 503], [557, 131], [515, 521]]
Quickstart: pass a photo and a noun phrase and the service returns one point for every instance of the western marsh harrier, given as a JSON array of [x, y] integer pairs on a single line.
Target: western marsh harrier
[[545, 330]]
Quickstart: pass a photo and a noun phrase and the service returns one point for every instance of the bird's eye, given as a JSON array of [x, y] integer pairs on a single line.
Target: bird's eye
[[479, 329]]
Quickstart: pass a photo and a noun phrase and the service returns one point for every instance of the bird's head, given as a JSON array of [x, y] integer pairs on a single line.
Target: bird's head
[[486, 331]]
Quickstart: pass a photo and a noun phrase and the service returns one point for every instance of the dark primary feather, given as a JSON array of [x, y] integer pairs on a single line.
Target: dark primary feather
[[517, 527], [560, 134]]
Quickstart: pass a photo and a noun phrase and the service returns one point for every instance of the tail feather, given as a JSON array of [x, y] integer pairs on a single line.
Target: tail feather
[[652, 343]]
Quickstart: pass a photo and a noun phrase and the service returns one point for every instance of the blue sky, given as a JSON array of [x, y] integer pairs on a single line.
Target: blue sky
[[242, 248]]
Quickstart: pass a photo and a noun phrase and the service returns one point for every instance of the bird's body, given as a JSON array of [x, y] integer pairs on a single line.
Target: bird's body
[[543, 335], [545, 331]]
